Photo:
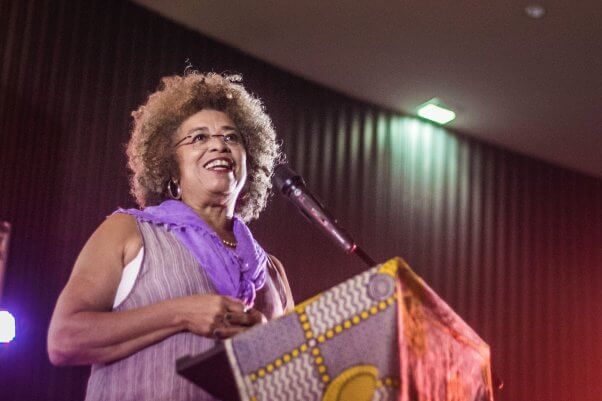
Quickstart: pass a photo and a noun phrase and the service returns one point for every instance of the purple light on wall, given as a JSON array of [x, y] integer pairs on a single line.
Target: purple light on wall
[[7, 327]]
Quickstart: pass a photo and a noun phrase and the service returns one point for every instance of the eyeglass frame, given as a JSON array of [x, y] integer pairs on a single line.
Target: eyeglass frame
[[222, 136]]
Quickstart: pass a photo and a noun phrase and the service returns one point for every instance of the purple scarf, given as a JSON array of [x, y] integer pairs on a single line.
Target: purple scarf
[[236, 272]]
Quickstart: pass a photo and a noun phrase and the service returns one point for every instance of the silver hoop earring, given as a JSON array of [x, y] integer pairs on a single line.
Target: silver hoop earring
[[174, 194]]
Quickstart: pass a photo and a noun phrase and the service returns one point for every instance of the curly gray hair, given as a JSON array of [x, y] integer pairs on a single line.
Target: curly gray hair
[[150, 151]]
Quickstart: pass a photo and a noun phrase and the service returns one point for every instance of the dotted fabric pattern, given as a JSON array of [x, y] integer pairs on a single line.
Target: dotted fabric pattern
[[324, 338]]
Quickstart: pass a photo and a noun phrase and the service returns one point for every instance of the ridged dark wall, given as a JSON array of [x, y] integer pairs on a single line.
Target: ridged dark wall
[[513, 244]]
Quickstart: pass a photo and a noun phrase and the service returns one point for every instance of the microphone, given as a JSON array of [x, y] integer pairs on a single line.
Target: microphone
[[292, 186]]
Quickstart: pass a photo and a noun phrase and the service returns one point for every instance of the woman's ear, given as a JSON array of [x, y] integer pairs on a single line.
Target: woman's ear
[[174, 170]]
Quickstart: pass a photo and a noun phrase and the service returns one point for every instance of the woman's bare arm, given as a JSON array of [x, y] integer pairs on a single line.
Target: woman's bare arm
[[275, 298], [83, 329], [290, 303]]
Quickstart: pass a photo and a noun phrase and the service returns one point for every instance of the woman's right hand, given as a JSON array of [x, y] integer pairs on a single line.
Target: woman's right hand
[[216, 316]]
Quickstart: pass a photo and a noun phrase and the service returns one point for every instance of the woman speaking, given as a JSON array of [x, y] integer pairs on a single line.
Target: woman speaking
[[158, 283]]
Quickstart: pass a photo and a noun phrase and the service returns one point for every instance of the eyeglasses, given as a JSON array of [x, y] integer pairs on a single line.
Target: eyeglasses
[[199, 138]]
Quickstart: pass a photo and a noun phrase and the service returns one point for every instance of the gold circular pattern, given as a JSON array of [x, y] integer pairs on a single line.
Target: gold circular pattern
[[373, 310], [270, 368], [329, 334], [355, 319], [261, 373], [364, 315], [382, 305], [295, 353], [319, 360], [357, 383], [303, 347], [347, 324], [309, 334], [391, 300], [338, 328], [286, 358], [303, 317], [306, 326], [315, 351], [253, 377], [322, 369], [278, 362], [321, 338], [325, 378]]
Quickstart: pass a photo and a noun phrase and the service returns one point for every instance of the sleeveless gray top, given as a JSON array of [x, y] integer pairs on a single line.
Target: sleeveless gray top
[[168, 271]]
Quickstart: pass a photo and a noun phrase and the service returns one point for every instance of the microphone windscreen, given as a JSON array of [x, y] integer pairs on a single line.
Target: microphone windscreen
[[284, 177]]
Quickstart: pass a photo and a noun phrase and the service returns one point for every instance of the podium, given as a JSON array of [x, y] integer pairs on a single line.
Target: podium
[[381, 335]]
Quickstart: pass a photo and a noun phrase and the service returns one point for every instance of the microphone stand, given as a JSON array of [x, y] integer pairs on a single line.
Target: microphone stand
[[360, 253]]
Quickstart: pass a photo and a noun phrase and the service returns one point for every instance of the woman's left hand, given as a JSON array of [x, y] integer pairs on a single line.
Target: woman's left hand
[[237, 322]]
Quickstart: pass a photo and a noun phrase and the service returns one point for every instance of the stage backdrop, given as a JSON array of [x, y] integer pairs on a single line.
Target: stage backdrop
[[513, 244]]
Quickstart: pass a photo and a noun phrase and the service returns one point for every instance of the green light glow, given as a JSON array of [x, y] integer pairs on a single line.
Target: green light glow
[[435, 113]]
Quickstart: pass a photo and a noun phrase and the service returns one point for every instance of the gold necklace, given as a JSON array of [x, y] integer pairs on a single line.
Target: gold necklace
[[229, 244]]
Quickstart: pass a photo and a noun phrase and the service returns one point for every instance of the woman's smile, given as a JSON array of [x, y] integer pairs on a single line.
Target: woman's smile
[[220, 165]]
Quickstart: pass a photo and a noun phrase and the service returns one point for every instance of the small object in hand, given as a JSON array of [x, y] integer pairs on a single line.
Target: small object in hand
[[216, 334]]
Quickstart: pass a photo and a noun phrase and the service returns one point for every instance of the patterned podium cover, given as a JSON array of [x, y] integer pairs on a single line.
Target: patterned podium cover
[[381, 335]]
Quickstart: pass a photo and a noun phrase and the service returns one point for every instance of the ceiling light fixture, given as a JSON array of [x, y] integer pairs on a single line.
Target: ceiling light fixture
[[535, 11], [434, 110]]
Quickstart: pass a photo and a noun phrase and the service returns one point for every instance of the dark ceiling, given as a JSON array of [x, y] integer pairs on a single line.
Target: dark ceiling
[[530, 85]]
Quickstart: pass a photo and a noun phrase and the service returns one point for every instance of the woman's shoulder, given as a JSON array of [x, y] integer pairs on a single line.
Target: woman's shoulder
[[275, 265], [122, 229], [120, 224]]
